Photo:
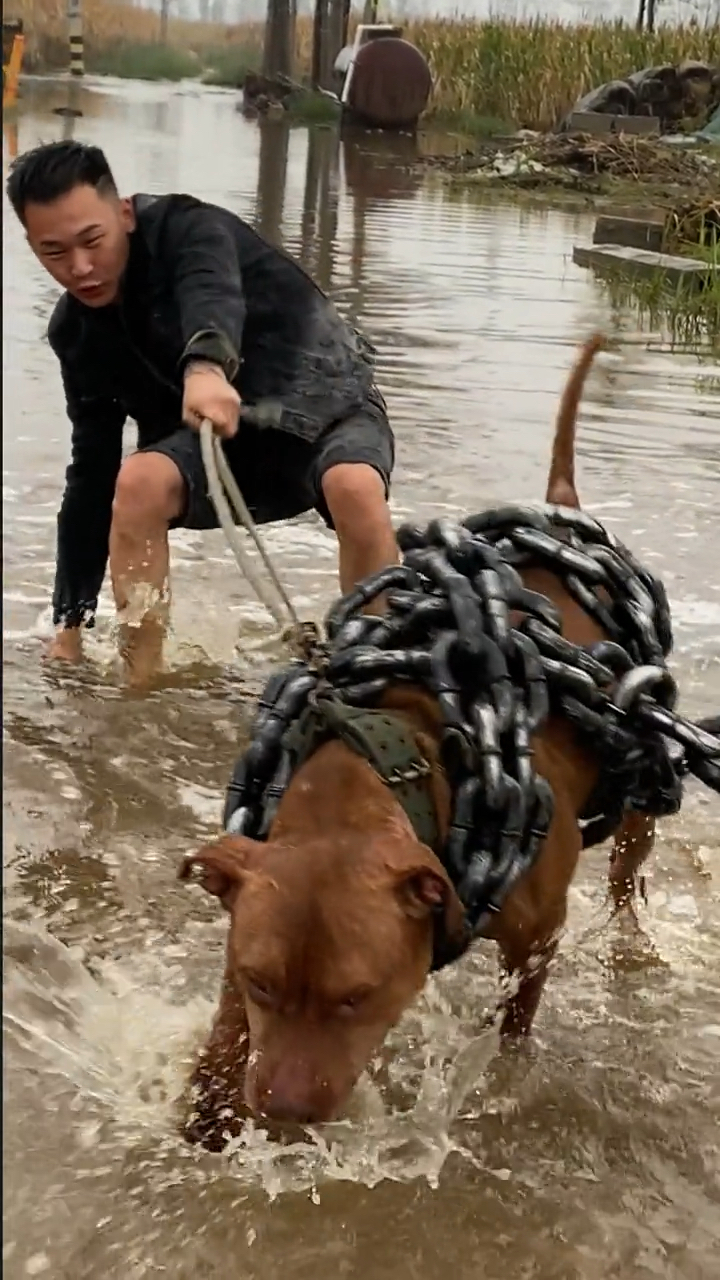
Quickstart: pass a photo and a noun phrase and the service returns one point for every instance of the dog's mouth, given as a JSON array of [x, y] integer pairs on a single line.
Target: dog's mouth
[[293, 1119]]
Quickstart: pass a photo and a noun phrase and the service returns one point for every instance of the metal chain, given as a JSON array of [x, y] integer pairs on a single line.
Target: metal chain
[[448, 629]]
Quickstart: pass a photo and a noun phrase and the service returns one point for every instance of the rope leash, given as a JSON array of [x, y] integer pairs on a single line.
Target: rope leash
[[224, 493]]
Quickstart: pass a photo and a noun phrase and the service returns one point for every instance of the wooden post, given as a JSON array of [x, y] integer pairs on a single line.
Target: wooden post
[[336, 28], [75, 33], [317, 37], [346, 21], [164, 13], [329, 28], [320, 19], [274, 136], [327, 207], [308, 221], [319, 223], [279, 42], [357, 259]]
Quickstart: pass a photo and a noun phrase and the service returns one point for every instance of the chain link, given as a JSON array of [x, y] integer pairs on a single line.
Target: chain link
[[448, 629]]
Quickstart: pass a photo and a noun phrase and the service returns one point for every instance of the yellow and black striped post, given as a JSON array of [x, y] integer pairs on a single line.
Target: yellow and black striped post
[[75, 31]]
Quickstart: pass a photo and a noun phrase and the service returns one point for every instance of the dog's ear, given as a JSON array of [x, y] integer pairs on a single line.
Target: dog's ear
[[425, 890], [220, 867]]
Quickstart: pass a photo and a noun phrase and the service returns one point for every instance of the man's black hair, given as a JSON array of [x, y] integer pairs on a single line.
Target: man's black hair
[[55, 168]]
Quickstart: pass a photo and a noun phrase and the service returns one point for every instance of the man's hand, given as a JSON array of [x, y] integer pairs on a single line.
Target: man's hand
[[208, 394], [66, 645]]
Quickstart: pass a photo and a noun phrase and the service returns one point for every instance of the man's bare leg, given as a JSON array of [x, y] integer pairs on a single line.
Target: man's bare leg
[[149, 494], [355, 495]]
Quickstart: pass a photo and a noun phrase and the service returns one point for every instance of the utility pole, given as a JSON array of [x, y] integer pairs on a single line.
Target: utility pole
[[164, 14]]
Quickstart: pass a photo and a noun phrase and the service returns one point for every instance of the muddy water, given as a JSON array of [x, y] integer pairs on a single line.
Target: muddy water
[[594, 1154]]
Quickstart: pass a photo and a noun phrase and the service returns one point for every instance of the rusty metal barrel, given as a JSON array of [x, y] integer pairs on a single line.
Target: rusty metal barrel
[[390, 84]]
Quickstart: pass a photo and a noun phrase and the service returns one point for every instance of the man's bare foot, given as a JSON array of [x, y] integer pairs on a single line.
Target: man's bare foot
[[141, 649], [65, 646]]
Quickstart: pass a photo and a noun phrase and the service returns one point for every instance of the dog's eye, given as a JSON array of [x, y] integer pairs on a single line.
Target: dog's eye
[[258, 991]]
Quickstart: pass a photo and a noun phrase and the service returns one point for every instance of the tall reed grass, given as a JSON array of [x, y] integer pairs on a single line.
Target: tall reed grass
[[525, 72], [532, 72]]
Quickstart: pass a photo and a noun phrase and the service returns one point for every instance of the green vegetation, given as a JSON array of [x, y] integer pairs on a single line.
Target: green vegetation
[[132, 61], [468, 123], [688, 312], [228, 67], [308, 108]]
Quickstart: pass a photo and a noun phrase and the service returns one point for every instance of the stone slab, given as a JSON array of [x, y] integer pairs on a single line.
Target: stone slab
[[642, 262], [596, 122], [645, 212], [638, 233]]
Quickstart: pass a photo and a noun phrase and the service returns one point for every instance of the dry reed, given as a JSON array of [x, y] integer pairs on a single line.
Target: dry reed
[[528, 73], [532, 73]]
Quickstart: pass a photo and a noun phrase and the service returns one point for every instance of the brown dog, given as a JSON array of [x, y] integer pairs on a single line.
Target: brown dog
[[332, 919]]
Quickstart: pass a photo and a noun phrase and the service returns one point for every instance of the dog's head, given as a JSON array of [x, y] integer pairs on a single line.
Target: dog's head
[[328, 944]]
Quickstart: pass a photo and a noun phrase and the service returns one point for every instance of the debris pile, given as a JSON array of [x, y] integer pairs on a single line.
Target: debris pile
[[581, 161], [689, 91], [265, 95]]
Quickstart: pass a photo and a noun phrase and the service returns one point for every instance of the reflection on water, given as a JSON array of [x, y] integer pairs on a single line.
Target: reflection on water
[[593, 1155]]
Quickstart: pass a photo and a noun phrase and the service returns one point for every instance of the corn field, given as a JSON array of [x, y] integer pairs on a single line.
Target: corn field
[[531, 73], [525, 73]]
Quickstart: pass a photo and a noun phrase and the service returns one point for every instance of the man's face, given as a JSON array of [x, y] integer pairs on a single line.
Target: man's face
[[82, 240]]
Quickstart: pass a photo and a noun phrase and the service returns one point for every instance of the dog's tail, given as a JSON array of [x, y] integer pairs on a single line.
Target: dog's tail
[[561, 481]]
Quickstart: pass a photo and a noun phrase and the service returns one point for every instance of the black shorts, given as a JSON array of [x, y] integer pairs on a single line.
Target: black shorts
[[279, 474]]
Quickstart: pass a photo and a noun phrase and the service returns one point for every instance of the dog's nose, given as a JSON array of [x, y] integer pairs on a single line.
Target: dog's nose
[[288, 1110], [291, 1103]]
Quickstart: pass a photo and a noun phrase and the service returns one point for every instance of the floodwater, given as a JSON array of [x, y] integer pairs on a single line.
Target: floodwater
[[594, 1154]]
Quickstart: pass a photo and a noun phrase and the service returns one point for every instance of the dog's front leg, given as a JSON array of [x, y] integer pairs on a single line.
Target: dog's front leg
[[520, 1007], [216, 1104], [633, 843]]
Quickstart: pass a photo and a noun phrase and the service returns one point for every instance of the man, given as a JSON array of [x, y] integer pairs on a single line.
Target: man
[[176, 311]]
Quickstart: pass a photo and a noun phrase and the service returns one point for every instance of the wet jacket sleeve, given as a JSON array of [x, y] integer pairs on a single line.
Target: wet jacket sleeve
[[202, 258], [84, 519]]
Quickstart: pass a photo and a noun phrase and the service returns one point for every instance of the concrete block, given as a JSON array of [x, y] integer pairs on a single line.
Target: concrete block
[[639, 233], [644, 212], [596, 122], [643, 262]]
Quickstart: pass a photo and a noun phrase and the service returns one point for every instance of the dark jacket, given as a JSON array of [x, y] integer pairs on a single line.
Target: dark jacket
[[200, 284]]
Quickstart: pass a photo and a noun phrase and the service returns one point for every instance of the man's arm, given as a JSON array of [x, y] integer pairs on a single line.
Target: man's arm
[[202, 258], [86, 509]]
